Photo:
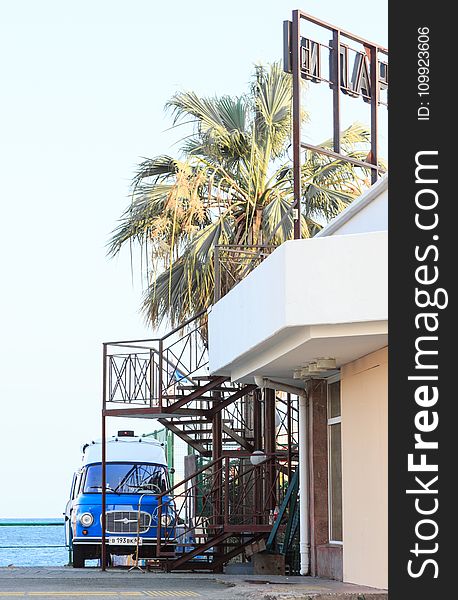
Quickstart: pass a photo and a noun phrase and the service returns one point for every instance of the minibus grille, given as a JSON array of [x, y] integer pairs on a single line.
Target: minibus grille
[[125, 521]]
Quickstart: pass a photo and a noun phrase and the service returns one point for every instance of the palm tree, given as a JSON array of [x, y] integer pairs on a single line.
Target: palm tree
[[231, 184]]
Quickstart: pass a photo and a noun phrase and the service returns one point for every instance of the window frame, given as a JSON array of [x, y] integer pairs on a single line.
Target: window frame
[[86, 468], [330, 421]]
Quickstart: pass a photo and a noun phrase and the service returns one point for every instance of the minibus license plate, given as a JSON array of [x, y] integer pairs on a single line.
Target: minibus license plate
[[124, 541]]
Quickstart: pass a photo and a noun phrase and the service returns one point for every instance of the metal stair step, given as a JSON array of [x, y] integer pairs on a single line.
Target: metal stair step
[[206, 377], [215, 389], [188, 421]]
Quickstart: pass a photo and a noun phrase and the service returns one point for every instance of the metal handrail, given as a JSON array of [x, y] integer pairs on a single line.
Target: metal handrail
[[252, 261], [185, 324], [234, 497], [198, 472], [128, 343], [32, 524], [146, 374]]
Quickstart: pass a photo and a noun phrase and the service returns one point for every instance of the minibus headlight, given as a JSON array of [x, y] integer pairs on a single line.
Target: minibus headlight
[[86, 519]]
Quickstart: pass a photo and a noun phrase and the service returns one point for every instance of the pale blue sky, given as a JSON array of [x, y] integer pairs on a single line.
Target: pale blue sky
[[83, 89]]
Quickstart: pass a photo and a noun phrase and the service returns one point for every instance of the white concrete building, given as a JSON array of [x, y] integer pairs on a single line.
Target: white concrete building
[[318, 298]]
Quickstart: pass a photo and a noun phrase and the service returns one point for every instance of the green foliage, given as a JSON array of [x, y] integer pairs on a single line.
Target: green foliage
[[232, 184]]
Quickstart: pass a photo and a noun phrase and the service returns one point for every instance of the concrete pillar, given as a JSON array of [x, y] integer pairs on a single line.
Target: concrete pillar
[[318, 465]]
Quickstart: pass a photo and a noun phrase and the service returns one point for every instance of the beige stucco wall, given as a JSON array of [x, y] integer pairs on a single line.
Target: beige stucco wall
[[364, 396]]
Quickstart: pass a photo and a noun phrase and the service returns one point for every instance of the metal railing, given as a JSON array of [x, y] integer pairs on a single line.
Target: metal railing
[[148, 373], [234, 262], [33, 546], [227, 497]]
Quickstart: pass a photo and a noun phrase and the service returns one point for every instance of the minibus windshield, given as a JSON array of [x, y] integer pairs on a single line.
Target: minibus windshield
[[125, 478]]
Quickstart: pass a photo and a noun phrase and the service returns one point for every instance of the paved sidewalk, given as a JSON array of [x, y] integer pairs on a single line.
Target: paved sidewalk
[[66, 583]]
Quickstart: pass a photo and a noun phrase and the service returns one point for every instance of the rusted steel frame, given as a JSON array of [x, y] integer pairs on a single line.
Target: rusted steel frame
[[187, 334], [189, 492], [146, 348], [217, 473], [244, 443], [198, 472], [236, 251], [242, 392], [226, 490], [229, 247], [160, 374], [342, 157], [196, 394], [260, 253], [195, 358], [372, 49], [104, 462], [199, 412], [159, 530], [257, 434], [216, 486], [269, 445], [175, 421], [217, 448], [140, 411], [132, 344], [152, 379], [221, 388], [187, 370], [177, 360], [120, 372], [237, 550], [352, 48], [129, 379], [183, 435], [271, 487], [217, 274], [296, 71], [141, 379], [280, 454], [185, 324], [201, 548], [347, 34], [336, 89], [245, 489], [249, 476], [262, 528], [290, 435], [375, 93]]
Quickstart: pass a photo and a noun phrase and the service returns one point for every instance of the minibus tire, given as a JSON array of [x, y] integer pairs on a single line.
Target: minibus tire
[[79, 557]]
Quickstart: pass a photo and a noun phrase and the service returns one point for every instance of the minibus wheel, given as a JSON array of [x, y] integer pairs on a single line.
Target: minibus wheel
[[78, 557]]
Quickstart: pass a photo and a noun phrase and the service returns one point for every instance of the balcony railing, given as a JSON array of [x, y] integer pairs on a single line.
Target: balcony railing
[[146, 373], [233, 263]]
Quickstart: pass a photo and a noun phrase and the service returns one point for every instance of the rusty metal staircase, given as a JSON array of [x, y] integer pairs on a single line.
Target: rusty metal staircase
[[221, 509], [227, 504]]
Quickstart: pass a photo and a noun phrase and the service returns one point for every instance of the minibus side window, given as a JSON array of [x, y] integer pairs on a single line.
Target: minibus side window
[[73, 486], [81, 481], [78, 481]]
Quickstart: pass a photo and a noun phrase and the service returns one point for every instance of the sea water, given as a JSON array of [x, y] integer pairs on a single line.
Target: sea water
[[24, 545]]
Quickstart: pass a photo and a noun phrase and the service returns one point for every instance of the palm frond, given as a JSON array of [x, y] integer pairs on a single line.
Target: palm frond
[[229, 188]]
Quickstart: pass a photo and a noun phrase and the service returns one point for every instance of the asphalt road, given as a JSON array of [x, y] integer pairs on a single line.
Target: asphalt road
[[65, 583], [74, 584]]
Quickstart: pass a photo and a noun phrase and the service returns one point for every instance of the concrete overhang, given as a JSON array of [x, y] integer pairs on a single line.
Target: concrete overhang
[[311, 298]]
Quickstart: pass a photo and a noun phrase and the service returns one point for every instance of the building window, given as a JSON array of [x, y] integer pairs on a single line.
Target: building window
[[335, 462]]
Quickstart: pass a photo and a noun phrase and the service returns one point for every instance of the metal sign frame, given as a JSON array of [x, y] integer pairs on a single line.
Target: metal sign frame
[[370, 73]]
